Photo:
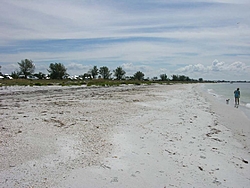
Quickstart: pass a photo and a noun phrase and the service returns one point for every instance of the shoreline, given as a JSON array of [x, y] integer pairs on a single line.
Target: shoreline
[[236, 119], [244, 106], [131, 136]]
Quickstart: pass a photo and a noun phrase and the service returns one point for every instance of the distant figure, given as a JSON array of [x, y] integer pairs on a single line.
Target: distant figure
[[227, 101], [237, 97]]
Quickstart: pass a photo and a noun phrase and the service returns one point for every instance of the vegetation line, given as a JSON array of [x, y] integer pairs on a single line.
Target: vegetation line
[[57, 75]]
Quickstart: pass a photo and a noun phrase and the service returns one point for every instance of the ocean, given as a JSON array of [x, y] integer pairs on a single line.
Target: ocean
[[224, 91]]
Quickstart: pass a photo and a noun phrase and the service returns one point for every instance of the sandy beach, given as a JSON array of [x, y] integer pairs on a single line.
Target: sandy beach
[[126, 136]]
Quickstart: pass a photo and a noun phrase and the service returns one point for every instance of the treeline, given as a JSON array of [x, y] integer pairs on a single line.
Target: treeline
[[59, 71]]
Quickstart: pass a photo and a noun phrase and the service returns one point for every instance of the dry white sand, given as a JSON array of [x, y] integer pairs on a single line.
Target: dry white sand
[[128, 136]]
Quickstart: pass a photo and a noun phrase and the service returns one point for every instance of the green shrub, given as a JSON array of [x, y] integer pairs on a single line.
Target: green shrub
[[38, 84]]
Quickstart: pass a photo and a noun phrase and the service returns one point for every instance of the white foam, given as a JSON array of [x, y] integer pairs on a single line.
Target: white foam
[[211, 92]]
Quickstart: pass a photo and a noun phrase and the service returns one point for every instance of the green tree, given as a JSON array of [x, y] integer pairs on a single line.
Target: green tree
[[182, 78], [155, 78], [138, 75], [164, 77], [40, 75], [86, 76], [14, 75], [57, 71], [1, 74], [175, 77], [105, 72], [119, 73], [26, 67], [94, 72]]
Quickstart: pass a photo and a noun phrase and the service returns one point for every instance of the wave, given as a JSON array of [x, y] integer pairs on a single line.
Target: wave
[[212, 92]]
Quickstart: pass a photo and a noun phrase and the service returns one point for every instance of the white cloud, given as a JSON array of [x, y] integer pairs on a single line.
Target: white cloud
[[217, 70], [193, 68], [234, 67], [131, 69], [217, 66], [238, 66], [77, 68], [171, 33]]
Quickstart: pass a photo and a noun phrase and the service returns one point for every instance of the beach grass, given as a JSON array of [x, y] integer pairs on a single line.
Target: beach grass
[[68, 82], [40, 82]]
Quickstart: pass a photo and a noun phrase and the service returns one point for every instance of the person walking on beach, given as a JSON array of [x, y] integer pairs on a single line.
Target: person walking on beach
[[237, 97]]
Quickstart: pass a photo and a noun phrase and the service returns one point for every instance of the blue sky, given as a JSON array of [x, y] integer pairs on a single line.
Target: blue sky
[[197, 38]]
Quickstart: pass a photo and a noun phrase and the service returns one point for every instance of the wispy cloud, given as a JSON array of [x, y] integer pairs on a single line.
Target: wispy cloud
[[152, 35]]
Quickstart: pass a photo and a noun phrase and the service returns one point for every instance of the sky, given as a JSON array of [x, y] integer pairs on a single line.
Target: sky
[[207, 39]]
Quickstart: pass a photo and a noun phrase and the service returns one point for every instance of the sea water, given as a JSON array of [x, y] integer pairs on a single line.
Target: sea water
[[225, 91]]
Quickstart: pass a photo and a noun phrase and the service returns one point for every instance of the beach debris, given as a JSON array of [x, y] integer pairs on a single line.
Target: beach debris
[[190, 120], [61, 124], [216, 181], [217, 139], [215, 122], [201, 169], [114, 179], [136, 172], [245, 161], [242, 134], [136, 100], [173, 153], [213, 131], [105, 166]]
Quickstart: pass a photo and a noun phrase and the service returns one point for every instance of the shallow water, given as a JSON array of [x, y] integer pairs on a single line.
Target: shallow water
[[224, 91]]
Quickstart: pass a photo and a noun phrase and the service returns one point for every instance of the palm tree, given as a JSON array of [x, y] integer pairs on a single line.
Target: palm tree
[[57, 71], [94, 72], [119, 73], [138, 75], [26, 67], [105, 72], [163, 77]]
